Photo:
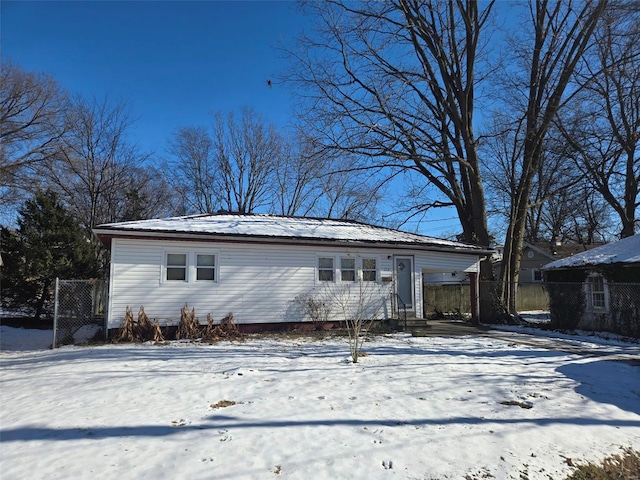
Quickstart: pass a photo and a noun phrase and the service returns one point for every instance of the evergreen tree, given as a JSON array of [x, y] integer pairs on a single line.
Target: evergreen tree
[[49, 243]]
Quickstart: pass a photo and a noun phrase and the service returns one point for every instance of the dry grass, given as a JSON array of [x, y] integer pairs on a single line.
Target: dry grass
[[622, 466], [224, 403], [141, 330], [189, 327], [148, 330], [226, 330]]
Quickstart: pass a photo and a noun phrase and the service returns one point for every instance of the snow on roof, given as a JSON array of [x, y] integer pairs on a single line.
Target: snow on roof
[[626, 250], [274, 226]]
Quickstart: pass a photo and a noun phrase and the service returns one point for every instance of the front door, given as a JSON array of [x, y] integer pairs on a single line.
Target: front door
[[404, 280]]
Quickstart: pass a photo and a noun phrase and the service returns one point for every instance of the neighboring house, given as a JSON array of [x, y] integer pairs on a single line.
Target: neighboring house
[[598, 289], [535, 257], [255, 266]]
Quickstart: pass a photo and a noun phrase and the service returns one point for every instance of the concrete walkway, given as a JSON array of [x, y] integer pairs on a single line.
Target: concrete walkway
[[449, 328]]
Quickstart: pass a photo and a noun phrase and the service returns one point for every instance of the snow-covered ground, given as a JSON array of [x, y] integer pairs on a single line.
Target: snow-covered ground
[[429, 408]]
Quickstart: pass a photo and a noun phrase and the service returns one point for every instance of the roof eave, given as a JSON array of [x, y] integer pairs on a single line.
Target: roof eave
[[107, 234]]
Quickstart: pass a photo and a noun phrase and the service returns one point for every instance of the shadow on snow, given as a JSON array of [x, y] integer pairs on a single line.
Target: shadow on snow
[[218, 422]]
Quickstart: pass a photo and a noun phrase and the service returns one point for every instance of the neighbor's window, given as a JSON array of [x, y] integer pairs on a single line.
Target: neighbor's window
[[348, 269], [537, 275], [325, 269], [369, 270], [177, 266], [206, 267], [596, 292]]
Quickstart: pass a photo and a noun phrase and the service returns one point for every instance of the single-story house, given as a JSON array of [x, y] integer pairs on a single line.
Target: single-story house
[[598, 289], [258, 267]]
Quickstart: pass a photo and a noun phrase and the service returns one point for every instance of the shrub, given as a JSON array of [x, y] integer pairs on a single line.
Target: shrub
[[314, 307]]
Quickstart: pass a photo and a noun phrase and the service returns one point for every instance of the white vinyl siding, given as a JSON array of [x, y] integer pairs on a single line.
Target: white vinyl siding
[[255, 282]]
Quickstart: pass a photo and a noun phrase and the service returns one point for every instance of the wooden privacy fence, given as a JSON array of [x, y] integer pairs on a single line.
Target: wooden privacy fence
[[456, 298]]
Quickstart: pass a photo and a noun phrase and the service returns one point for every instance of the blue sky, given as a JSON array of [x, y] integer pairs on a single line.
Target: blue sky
[[173, 62]]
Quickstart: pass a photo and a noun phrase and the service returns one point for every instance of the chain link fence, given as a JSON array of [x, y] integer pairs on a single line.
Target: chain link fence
[[79, 312], [596, 305]]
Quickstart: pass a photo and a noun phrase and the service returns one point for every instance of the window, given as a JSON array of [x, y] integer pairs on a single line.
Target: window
[[369, 270], [596, 292], [206, 267], [537, 275], [325, 269], [348, 269], [177, 266], [194, 265]]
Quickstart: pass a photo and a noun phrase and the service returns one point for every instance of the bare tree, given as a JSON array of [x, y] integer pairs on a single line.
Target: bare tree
[[556, 186], [589, 217], [96, 161], [394, 83], [32, 123], [192, 170], [296, 189], [348, 191], [562, 33], [230, 167], [142, 194], [603, 127], [358, 304], [246, 154]]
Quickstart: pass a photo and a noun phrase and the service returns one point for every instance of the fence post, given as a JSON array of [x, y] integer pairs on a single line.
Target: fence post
[[105, 299], [55, 314], [474, 293]]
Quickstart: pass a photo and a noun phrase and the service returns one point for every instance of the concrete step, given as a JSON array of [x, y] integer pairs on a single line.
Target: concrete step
[[410, 324], [415, 322]]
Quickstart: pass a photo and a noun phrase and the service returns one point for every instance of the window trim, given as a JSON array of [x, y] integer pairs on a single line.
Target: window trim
[[533, 275], [376, 270], [166, 266], [337, 269], [344, 270], [191, 267], [590, 293], [213, 267], [332, 270]]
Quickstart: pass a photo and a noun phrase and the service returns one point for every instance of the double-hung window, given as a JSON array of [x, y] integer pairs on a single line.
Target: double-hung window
[[190, 266], [348, 269], [325, 269], [205, 267], [176, 267], [369, 270], [596, 292]]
